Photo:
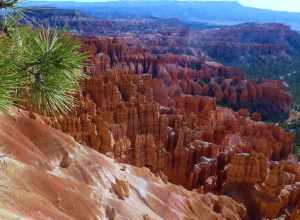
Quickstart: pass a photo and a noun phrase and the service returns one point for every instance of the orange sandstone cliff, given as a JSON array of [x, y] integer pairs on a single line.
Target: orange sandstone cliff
[[189, 74], [162, 117], [187, 140], [163, 114], [139, 120], [268, 189], [45, 174]]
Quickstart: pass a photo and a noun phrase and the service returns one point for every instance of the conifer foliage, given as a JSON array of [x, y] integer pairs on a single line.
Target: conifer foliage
[[42, 66]]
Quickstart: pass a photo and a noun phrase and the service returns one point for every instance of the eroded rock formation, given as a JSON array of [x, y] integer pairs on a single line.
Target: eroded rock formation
[[45, 174], [244, 42], [267, 188], [154, 111], [141, 121], [190, 75], [152, 102]]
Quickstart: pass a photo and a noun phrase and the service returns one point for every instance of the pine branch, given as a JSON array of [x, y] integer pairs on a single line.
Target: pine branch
[[51, 67], [40, 65], [8, 3]]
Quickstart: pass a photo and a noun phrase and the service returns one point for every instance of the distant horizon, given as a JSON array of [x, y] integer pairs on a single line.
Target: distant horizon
[[275, 5]]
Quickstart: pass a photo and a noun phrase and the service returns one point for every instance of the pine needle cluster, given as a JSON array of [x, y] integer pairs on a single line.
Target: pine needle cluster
[[42, 66]]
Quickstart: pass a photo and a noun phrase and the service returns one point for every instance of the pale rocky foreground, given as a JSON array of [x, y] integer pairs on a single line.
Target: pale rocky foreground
[[47, 175]]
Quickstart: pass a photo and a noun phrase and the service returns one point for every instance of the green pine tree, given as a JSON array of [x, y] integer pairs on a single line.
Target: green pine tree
[[41, 66]]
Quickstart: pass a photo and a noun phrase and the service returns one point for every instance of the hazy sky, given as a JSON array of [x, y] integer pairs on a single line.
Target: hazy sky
[[281, 5]]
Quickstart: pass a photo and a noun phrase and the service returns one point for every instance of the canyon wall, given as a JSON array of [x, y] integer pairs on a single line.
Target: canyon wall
[[163, 114], [189, 75], [185, 139], [266, 187], [45, 174]]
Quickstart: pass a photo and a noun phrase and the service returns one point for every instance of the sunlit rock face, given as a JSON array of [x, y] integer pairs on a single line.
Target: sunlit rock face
[[187, 139], [159, 116], [270, 41], [45, 174], [190, 75], [163, 114], [267, 188]]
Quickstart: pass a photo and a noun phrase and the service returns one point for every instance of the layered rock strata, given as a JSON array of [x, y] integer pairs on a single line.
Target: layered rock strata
[[45, 174], [268, 189], [190, 75], [139, 120]]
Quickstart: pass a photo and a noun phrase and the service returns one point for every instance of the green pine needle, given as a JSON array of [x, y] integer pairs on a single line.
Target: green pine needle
[[43, 66], [53, 69], [9, 77]]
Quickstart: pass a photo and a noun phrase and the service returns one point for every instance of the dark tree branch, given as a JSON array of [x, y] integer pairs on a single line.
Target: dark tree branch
[[8, 3]]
